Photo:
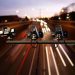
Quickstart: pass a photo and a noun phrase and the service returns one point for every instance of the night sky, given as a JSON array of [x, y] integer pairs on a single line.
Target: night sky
[[32, 8]]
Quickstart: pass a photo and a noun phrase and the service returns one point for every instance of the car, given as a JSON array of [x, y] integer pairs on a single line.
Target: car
[[7, 31], [35, 33], [59, 34]]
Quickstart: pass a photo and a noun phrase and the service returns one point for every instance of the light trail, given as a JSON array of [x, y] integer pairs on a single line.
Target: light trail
[[24, 59], [66, 55], [60, 56], [49, 70], [57, 71], [32, 62]]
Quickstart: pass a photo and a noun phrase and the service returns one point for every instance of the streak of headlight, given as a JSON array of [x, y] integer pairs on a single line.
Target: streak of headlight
[[48, 29], [32, 62], [54, 61], [24, 59], [61, 56], [41, 23], [66, 55], [43, 30], [45, 25], [37, 20], [49, 70]]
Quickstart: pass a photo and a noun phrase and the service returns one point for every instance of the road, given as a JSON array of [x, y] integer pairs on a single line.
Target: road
[[36, 59]]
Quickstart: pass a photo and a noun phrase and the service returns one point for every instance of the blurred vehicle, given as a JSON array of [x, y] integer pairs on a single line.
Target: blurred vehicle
[[35, 33], [59, 34], [8, 32]]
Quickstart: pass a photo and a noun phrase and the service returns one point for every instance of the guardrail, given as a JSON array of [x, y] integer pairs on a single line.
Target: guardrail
[[9, 23], [41, 42]]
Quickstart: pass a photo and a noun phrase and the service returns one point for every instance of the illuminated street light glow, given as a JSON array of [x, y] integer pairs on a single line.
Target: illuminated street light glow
[[17, 11], [67, 17], [59, 18], [6, 20], [62, 10]]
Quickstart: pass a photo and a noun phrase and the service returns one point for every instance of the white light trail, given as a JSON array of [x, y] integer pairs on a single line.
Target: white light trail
[[54, 61], [66, 55], [43, 30], [32, 63], [49, 70], [60, 56]]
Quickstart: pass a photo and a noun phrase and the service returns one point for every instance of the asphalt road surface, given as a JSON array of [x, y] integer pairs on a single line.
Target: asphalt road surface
[[36, 59]]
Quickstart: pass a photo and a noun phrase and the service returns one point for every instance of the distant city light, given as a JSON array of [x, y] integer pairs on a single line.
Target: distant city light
[[59, 18], [6, 20], [17, 11], [62, 10]]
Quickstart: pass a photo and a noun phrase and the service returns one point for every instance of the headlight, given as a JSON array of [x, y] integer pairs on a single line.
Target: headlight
[[1, 32], [12, 30]]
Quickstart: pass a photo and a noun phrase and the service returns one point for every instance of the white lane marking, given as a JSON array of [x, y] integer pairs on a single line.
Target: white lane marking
[[32, 62], [60, 56], [66, 55], [49, 70], [54, 61]]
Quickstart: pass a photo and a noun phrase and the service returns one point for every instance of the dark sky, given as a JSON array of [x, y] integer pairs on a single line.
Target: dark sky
[[32, 7]]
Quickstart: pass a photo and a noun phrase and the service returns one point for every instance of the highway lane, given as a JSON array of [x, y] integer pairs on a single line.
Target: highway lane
[[9, 54], [12, 60], [20, 34], [5, 47], [45, 59], [60, 59]]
